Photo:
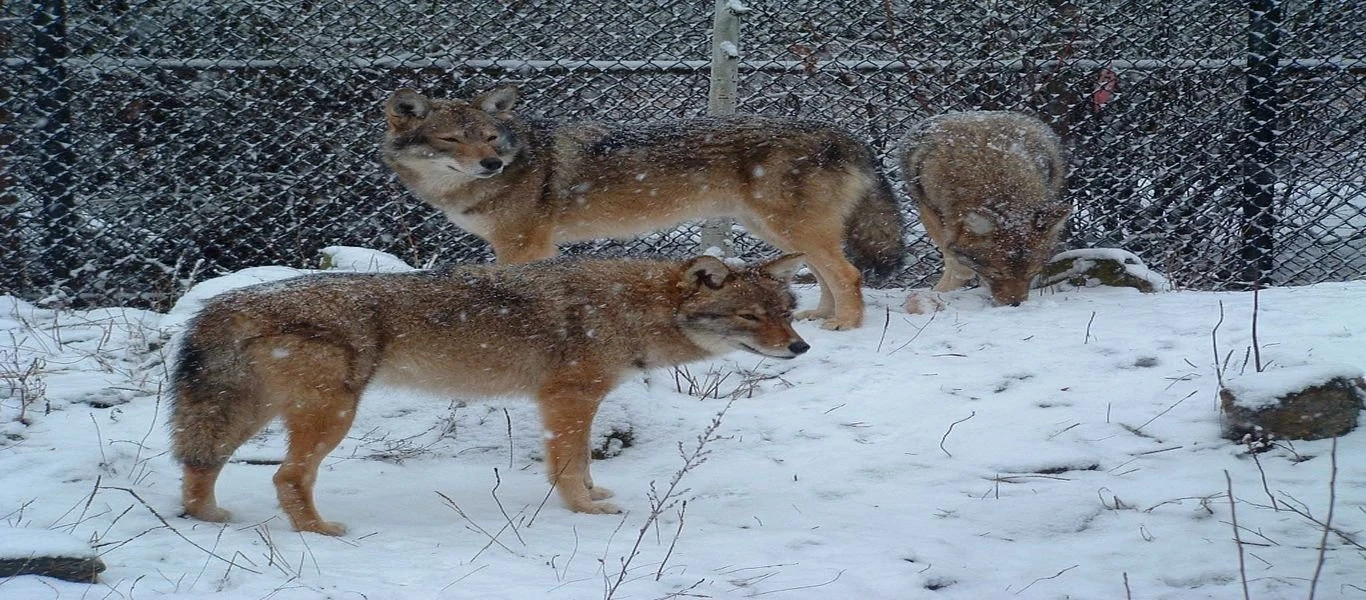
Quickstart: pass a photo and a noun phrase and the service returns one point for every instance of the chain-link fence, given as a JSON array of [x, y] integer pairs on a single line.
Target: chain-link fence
[[146, 144]]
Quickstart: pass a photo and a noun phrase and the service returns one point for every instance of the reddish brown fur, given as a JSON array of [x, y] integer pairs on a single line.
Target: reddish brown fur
[[565, 332], [988, 186], [526, 185]]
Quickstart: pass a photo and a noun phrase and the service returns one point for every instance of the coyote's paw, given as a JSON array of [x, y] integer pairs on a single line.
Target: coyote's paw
[[840, 324], [847, 323], [811, 315], [599, 493], [596, 508], [332, 528], [212, 514]]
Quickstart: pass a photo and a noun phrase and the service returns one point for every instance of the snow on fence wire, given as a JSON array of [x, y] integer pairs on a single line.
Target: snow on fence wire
[[147, 144]]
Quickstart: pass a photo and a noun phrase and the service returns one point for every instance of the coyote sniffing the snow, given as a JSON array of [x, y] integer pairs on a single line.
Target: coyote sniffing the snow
[[988, 185]]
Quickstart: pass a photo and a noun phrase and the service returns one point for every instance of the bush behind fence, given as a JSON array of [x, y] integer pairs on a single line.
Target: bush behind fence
[[145, 145]]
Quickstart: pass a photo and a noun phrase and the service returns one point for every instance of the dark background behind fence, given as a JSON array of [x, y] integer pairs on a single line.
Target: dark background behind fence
[[145, 145]]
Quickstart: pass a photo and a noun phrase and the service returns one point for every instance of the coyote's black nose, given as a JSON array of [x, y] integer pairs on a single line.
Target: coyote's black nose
[[491, 164], [1014, 303], [798, 347]]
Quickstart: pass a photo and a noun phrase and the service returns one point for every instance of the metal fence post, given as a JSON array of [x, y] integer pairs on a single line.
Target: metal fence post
[[58, 217], [1259, 152], [725, 70], [11, 247]]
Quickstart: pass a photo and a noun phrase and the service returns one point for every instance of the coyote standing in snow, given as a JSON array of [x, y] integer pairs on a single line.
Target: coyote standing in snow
[[988, 185], [563, 331], [526, 185]]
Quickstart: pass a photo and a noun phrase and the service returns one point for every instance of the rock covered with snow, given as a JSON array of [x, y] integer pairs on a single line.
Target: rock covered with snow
[[26, 551], [361, 260], [1307, 402], [1090, 267]]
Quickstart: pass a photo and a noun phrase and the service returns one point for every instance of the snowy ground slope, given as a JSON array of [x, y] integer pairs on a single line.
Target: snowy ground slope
[[1047, 451]]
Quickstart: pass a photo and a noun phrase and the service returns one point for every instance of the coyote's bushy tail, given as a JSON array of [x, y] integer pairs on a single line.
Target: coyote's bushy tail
[[873, 233], [212, 410]]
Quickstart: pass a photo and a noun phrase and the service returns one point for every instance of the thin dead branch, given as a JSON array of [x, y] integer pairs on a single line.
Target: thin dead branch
[[1053, 576], [1328, 520], [1214, 342], [950, 430], [1237, 538]]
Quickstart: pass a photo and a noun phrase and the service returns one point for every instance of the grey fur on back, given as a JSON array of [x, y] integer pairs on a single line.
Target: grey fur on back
[[1042, 144]]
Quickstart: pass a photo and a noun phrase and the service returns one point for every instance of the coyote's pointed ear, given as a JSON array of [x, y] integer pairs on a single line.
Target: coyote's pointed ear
[[784, 267], [704, 270], [498, 101], [405, 107]]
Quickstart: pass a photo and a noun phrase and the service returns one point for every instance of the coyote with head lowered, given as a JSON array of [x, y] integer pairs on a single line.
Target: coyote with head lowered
[[526, 185], [989, 188], [562, 331]]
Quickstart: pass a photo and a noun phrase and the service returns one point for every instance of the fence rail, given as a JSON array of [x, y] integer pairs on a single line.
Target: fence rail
[[1356, 66], [147, 144]]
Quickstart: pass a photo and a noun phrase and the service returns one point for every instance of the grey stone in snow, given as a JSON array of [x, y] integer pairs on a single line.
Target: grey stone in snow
[[1327, 409], [33, 551]]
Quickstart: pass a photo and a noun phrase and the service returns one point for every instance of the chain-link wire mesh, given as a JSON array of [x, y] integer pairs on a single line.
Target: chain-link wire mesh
[[148, 144]]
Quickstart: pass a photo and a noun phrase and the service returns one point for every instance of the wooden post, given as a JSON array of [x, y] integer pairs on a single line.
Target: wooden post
[[725, 70], [725, 57]]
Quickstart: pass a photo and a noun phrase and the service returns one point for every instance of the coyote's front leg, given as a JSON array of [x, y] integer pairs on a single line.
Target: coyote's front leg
[[568, 405]]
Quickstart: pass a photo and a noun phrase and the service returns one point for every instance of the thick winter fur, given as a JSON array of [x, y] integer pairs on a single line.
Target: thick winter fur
[[564, 332], [989, 189], [526, 185]]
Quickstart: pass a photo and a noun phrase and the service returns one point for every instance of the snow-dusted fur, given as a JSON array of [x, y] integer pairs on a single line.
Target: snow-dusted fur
[[988, 185], [565, 332], [526, 185]]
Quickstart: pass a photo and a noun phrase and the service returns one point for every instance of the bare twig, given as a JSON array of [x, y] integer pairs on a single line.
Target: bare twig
[[1087, 339], [1237, 538], [1256, 346], [1164, 411], [659, 573], [704, 387], [1157, 451], [308, 550], [1328, 520], [191, 542], [498, 481], [1064, 430], [462, 577], [950, 430], [1303, 512], [1214, 341], [1265, 488], [886, 321], [475, 526], [218, 539], [918, 331], [805, 587], [1053, 576], [662, 502], [507, 418], [572, 553], [686, 592], [548, 492], [26, 382]]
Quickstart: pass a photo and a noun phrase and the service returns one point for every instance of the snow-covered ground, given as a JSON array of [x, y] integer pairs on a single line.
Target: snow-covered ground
[[1067, 448]]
